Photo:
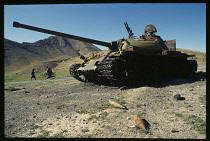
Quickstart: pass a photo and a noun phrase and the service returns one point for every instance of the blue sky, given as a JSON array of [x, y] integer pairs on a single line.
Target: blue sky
[[185, 22]]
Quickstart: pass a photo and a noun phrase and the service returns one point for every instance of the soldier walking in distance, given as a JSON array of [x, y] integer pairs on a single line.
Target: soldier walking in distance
[[33, 74], [49, 72]]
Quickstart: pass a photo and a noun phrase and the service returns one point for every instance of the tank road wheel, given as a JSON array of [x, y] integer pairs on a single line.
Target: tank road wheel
[[193, 65], [117, 70], [131, 78], [76, 74]]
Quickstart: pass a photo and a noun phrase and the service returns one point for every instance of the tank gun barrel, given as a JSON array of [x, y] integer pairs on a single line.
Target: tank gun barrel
[[106, 44]]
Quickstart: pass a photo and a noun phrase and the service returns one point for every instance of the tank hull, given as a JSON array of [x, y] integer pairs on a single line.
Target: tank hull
[[130, 68]]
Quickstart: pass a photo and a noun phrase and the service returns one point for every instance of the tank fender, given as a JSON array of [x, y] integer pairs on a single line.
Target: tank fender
[[92, 65]]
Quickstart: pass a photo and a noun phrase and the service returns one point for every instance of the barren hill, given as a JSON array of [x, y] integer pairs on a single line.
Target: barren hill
[[17, 56]]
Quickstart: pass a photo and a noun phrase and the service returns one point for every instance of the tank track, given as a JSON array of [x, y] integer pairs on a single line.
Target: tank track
[[111, 71], [116, 71], [74, 73]]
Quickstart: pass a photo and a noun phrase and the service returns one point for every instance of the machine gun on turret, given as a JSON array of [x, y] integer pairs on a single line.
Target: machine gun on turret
[[129, 31]]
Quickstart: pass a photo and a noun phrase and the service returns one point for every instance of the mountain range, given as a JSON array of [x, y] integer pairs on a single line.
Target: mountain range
[[18, 56]]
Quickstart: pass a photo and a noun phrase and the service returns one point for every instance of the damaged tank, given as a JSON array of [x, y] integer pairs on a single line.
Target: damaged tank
[[129, 61]]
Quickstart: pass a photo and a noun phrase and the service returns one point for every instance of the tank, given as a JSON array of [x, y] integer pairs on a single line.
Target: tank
[[129, 61]]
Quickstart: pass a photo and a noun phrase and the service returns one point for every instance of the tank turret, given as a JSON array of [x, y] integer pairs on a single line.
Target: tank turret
[[147, 43]]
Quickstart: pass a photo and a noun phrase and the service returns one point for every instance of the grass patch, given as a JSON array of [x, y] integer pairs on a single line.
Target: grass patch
[[104, 106], [62, 74], [198, 123], [27, 76], [119, 101], [203, 99], [103, 115], [139, 105], [93, 117], [61, 106], [33, 127], [144, 131], [178, 114], [9, 126], [44, 134], [59, 135], [155, 123], [141, 113], [82, 111]]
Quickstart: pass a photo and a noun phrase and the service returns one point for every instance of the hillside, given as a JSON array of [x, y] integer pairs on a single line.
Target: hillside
[[17, 56], [199, 56]]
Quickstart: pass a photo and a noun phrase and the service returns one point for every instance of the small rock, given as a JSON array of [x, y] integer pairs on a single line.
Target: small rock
[[132, 126], [174, 131], [192, 90], [203, 105], [38, 103], [197, 86], [85, 130], [178, 97]]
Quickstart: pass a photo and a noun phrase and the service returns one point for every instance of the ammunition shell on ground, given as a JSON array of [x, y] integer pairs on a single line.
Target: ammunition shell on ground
[[116, 104], [139, 122]]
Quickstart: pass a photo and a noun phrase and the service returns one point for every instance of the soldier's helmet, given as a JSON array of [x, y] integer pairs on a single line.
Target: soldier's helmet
[[150, 29]]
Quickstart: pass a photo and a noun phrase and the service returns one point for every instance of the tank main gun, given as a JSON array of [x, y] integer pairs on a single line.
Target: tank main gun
[[110, 45]]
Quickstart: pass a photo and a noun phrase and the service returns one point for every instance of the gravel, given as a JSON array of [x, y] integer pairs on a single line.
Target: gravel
[[72, 109]]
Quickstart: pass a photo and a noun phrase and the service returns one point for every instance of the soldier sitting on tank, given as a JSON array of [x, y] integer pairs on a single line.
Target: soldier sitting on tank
[[49, 72], [150, 30]]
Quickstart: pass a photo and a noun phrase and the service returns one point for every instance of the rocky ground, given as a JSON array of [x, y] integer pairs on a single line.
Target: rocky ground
[[72, 109]]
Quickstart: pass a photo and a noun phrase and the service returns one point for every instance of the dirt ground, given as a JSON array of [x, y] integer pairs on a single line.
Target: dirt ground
[[72, 109]]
